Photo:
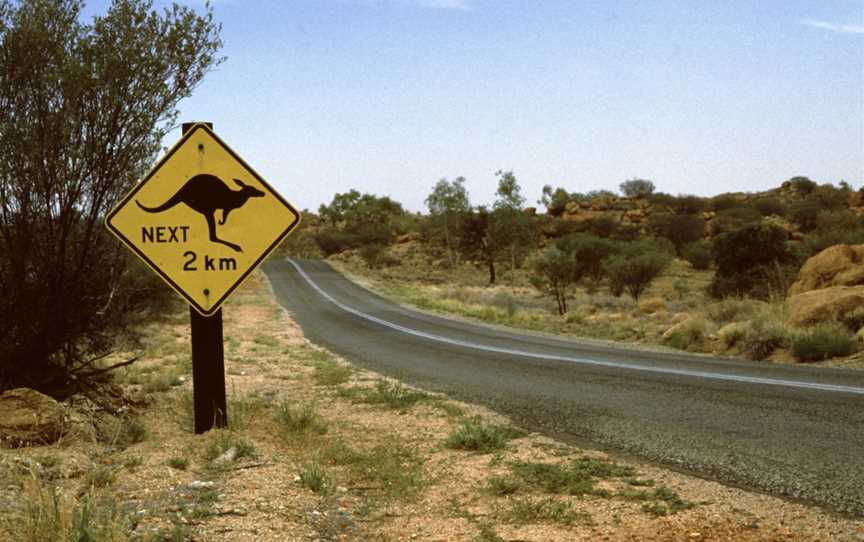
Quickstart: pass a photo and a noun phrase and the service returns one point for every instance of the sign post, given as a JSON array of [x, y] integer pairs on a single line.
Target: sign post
[[177, 220]]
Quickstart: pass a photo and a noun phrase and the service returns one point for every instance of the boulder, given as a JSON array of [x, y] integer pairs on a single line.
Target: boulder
[[840, 265], [29, 417], [825, 304]]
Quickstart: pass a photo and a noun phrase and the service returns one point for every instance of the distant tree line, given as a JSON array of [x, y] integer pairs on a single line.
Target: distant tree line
[[747, 244]]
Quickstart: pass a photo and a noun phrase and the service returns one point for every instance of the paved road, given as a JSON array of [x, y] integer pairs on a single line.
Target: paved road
[[787, 430]]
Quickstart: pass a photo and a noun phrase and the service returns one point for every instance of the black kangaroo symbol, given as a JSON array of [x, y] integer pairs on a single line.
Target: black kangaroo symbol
[[206, 194]]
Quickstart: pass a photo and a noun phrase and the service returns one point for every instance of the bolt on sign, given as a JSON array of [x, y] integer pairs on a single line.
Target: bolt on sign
[[202, 219]]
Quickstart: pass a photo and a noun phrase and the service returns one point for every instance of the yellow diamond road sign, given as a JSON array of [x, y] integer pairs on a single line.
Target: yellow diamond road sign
[[202, 219]]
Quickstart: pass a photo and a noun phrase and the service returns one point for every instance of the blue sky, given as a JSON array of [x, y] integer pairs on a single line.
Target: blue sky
[[388, 96]]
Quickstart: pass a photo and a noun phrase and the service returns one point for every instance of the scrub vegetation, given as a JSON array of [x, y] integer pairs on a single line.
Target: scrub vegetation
[[361, 458], [708, 275]]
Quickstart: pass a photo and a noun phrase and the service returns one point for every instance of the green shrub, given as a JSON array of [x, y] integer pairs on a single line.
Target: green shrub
[[681, 229], [132, 431], [823, 341], [575, 478], [480, 436], [723, 202], [503, 485], [854, 320], [221, 441], [330, 373], [372, 254], [746, 258], [396, 470], [313, 477], [635, 267], [735, 218], [99, 477], [770, 206], [394, 395], [698, 254], [43, 513], [302, 419], [526, 511], [588, 252], [762, 338], [689, 205], [637, 188], [730, 310]]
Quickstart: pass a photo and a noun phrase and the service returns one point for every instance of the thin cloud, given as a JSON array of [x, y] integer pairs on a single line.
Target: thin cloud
[[837, 28]]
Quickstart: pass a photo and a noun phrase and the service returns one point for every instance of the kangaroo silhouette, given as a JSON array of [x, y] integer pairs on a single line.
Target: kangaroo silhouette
[[206, 194]]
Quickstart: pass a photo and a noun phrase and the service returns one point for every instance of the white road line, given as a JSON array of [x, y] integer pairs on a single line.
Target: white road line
[[610, 364]]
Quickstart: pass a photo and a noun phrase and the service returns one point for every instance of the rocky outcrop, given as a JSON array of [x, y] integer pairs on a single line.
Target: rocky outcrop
[[840, 265], [636, 212], [825, 304], [29, 417]]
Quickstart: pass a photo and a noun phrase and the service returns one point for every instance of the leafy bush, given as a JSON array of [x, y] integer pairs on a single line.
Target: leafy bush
[[745, 258], [301, 419], [690, 333], [503, 485], [635, 267], [662, 199], [333, 242], [637, 188], [762, 338], [698, 254], [313, 477], [730, 310], [555, 200], [689, 205], [723, 202], [770, 206], [480, 436], [555, 273], [823, 341], [84, 113], [679, 229], [588, 253], [804, 214], [802, 185], [734, 218]]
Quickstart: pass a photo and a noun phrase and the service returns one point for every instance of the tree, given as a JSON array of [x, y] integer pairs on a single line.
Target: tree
[[510, 225], [481, 242], [509, 192], [555, 201], [680, 229], [698, 253], [356, 219], [734, 218], [589, 252], [448, 204], [637, 188], [635, 267], [84, 108], [746, 257], [554, 273]]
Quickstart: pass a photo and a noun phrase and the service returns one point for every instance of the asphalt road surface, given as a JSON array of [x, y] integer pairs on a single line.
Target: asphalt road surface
[[794, 431]]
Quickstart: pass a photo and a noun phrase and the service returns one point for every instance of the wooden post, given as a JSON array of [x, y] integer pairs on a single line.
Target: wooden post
[[208, 363]]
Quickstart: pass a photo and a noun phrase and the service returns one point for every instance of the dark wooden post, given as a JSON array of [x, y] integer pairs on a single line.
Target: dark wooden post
[[208, 363]]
